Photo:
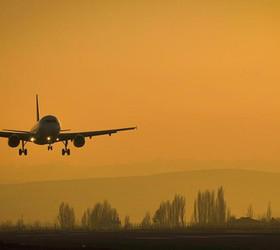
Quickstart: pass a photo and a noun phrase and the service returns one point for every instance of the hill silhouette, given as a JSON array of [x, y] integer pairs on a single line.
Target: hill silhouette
[[135, 195]]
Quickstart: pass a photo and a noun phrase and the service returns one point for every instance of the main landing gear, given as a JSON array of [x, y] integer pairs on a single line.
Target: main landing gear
[[22, 150], [66, 150]]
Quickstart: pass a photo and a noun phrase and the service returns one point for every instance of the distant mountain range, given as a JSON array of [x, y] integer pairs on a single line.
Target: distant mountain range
[[134, 196]]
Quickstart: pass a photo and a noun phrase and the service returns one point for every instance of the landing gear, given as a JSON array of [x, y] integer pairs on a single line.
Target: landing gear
[[50, 148], [22, 150], [66, 150]]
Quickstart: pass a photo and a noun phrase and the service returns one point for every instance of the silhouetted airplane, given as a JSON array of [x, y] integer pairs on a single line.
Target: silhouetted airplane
[[47, 131]]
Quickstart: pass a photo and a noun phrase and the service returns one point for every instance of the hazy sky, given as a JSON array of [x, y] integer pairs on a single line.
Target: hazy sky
[[200, 79]]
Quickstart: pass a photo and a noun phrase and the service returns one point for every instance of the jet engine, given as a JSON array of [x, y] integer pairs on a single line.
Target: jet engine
[[79, 141], [13, 141]]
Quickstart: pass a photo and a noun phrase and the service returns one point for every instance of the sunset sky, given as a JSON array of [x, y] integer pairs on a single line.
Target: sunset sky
[[200, 79]]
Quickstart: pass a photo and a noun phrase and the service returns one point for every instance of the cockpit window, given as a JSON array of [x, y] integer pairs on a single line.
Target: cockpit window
[[50, 120]]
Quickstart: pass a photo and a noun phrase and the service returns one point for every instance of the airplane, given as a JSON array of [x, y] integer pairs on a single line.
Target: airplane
[[47, 131]]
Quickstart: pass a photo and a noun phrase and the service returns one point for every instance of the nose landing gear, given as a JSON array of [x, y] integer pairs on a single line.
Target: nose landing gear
[[22, 150], [50, 147], [66, 150]]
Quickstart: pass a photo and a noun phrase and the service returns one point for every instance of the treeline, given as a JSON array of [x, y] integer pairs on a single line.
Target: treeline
[[210, 209], [170, 214], [102, 216]]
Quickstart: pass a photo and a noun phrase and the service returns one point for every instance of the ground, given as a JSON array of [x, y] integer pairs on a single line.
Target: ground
[[138, 240]]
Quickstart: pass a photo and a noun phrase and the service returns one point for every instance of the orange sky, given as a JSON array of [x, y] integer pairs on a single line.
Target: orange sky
[[199, 78]]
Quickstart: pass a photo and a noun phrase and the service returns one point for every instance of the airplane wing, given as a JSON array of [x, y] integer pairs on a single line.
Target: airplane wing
[[71, 136], [24, 136]]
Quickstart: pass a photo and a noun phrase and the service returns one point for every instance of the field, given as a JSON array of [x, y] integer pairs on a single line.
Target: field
[[139, 240]]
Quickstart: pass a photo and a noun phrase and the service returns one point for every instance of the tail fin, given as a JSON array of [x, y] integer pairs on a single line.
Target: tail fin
[[37, 108]]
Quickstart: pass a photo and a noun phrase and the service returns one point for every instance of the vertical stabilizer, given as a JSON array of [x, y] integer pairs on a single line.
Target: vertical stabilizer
[[37, 108]]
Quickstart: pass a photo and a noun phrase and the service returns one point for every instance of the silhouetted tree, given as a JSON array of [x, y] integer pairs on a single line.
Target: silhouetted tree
[[268, 212], [66, 216], [229, 216], [221, 207], [171, 214], [204, 208], [127, 225], [195, 214], [250, 211], [146, 222], [160, 216], [178, 209], [20, 224], [208, 209], [85, 221], [102, 216]]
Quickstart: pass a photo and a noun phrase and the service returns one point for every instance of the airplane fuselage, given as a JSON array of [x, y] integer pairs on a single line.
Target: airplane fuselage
[[46, 131]]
